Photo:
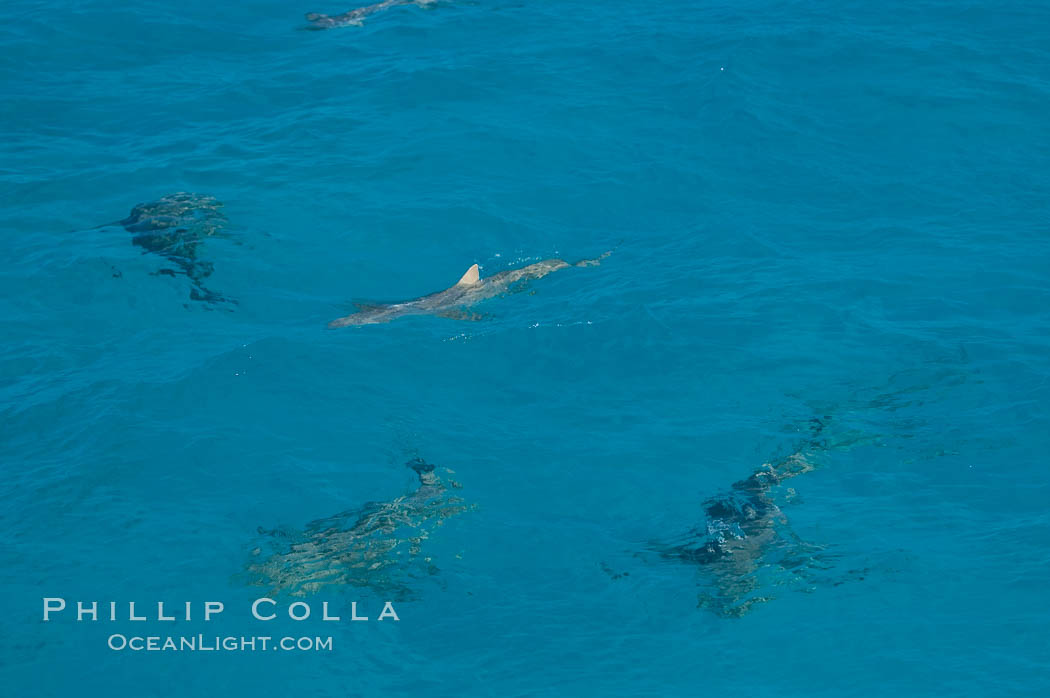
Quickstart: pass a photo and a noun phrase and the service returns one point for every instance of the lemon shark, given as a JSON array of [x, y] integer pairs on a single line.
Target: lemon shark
[[176, 227], [747, 538], [356, 17], [380, 545], [453, 302], [747, 549]]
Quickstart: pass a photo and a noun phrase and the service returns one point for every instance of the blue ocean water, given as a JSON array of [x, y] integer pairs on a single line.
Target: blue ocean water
[[834, 212]]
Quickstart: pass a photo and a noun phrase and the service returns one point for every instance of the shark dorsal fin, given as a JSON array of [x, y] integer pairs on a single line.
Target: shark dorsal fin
[[471, 277]]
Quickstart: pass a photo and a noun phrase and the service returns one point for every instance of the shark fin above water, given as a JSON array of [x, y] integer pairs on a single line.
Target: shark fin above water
[[471, 277], [455, 301]]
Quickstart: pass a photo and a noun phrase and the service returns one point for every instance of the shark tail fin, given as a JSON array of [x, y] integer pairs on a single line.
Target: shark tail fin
[[593, 262], [471, 277], [421, 467]]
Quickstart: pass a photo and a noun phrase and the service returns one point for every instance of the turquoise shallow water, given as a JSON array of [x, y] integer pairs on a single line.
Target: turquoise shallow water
[[833, 211]]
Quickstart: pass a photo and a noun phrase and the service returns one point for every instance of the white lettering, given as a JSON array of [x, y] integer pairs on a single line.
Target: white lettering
[[324, 612], [388, 612], [211, 607], [291, 611], [255, 609], [48, 607], [83, 610]]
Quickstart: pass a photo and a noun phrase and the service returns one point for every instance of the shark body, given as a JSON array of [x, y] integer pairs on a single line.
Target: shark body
[[376, 546], [453, 301], [175, 227], [356, 17], [747, 538]]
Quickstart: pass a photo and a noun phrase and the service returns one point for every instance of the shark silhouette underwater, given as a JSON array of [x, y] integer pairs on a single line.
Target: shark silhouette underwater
[[356, 17], [375, 546], [747, 547], [176, 227], [454, 302]]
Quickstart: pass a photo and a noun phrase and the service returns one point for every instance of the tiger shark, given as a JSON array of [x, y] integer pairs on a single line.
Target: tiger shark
[[453, 302], [356, 17]]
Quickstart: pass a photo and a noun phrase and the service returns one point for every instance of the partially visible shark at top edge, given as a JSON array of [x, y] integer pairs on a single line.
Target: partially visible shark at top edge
[[451, 302], [356, 17]]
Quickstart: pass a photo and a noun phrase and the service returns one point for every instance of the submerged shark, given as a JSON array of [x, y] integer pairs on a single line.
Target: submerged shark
[[174, 227], [356, 17], [453, 302], [746, 544], [373, 546]]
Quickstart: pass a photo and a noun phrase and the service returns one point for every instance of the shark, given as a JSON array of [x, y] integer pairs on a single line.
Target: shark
[[356, 17], [747, 545], [175, 227], [374, 546], [454, 301]]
